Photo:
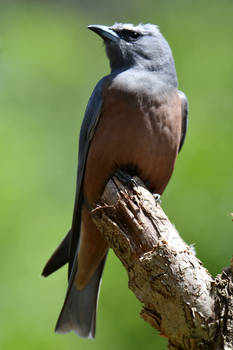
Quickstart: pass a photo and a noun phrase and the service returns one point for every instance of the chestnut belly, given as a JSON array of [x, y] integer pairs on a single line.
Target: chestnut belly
[[134, 135]]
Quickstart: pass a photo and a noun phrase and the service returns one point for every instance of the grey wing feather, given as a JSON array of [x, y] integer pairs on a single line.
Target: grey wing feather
[[184, 107], [59, 258], [66, 250], [88, 127]]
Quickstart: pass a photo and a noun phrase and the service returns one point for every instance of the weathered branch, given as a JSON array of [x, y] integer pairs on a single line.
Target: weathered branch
[[180, 298]]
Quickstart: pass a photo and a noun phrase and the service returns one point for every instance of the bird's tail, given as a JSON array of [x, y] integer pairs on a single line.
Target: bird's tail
[[79, 310]]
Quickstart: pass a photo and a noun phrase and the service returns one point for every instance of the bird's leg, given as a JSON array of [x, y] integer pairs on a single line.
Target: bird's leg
[[156, 196], [125, 178]]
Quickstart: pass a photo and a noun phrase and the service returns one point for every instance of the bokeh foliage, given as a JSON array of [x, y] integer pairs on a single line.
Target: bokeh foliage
[[49, 64]]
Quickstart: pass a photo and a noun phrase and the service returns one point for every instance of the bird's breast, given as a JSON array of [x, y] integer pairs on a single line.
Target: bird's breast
[[135, 130]]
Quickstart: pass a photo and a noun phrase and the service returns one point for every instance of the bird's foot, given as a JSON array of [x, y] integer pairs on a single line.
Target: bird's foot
[[157, 198], [125, 178], [192, 247]]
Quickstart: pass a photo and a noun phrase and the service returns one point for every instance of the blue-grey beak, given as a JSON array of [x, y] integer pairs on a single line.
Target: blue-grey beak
[[104, 31]]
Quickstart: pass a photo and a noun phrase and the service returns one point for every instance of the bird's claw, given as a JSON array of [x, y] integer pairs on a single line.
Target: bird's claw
[[157, 198], [125, 178]]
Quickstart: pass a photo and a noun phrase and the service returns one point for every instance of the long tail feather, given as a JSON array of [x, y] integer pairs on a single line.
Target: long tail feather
[[79, 309]]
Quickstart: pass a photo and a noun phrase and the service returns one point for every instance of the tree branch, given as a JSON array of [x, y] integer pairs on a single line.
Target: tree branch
[[180, 297]]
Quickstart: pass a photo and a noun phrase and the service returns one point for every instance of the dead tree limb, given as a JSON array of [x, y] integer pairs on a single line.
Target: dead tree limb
[[180, 298]]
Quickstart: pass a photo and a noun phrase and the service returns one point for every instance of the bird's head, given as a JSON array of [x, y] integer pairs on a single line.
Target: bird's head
[[141, 46]]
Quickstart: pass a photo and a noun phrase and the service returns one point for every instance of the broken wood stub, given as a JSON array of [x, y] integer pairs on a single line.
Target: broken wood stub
[[164, 274]]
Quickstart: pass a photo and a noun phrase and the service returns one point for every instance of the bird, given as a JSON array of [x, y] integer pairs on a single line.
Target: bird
[[135, 121]]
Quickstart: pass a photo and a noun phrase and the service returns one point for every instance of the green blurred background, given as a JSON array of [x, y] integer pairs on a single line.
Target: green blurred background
[[49, 64]]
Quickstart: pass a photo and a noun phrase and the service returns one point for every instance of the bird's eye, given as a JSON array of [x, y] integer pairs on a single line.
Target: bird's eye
[[129, 35], [134, 35]]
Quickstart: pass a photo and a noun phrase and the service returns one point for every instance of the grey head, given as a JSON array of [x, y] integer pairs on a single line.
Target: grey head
[[140, 47]]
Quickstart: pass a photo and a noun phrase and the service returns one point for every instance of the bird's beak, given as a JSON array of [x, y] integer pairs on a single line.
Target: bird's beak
[[104, 31]]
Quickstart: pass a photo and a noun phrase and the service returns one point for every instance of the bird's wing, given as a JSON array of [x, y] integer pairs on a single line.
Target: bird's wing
[[67, 249], [184, 109], [59, 258], [87, 131]]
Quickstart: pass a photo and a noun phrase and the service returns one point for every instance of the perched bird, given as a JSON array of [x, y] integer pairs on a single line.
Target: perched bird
[[135, 120]]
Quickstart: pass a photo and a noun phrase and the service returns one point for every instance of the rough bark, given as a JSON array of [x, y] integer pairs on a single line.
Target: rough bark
[[180, 298]]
